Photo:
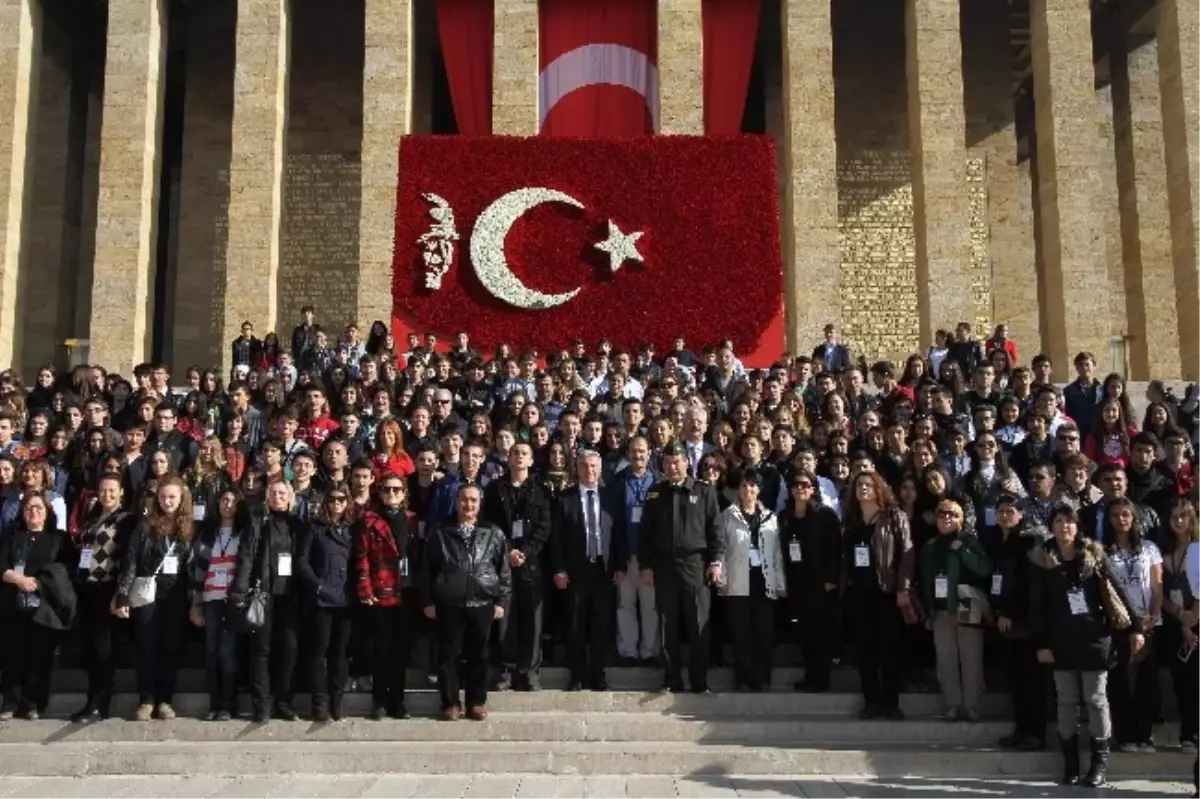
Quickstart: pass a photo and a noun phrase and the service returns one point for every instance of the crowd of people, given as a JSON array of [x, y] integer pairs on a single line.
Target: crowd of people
[[340, 510]]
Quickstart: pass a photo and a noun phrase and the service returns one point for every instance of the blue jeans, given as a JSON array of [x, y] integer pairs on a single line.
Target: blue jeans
[[220, 642]]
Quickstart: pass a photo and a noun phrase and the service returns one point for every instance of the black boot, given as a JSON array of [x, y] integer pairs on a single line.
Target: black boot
[[89, 712], [1070, 753], [1098, 771]]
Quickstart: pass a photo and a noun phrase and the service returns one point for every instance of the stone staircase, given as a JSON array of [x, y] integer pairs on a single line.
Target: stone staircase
[[629, 730]]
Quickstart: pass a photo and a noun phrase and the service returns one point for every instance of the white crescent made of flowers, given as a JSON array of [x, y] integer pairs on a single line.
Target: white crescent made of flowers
[[487, 248]]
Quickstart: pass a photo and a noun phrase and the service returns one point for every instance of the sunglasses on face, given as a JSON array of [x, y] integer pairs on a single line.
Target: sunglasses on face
[[338, 498], [802, 486], [947, 514], [391, 489]]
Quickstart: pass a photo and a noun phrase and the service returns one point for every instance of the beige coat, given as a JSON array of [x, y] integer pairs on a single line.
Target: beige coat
[[734, 530]]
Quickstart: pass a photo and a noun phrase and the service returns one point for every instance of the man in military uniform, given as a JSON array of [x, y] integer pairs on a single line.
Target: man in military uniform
[[680, 555]]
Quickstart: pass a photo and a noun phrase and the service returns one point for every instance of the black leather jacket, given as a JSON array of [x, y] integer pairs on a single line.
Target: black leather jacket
[[466, 571]]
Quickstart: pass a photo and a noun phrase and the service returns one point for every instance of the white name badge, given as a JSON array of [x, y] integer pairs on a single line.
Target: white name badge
[[171, 564], [198, 513], [85, 559], [997, 584], [989, 516], [1176, 598], [1078, 602], [635, 515], [19, 569], [284, 564], [518, 530], [862, 557], [420, 529], [403, 567], [794, 552], [220, 579], [941, 588], [755, 558]]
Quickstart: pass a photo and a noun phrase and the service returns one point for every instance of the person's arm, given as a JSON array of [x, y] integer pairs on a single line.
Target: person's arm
[[302, 558], [907, 560], [129, 566], [973, 558], [503, 570], [362, 563], [1156, 591], [538, 533], [716, 543]]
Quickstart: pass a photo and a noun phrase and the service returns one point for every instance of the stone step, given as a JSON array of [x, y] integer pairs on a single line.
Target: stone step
[[813, 730], [425, 702], [259, 758]]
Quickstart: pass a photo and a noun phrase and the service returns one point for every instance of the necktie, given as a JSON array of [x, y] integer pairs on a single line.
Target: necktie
[[593, 544]]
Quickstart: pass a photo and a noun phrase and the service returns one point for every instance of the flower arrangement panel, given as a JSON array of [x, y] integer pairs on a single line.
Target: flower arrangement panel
[[538, 241]]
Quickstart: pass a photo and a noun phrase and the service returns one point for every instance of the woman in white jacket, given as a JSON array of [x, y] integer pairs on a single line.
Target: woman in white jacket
[[753, 578]]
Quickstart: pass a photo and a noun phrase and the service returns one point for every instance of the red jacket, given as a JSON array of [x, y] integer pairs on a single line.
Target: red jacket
[[400, 465], [1010, 347], [314, 432], [378, 562]]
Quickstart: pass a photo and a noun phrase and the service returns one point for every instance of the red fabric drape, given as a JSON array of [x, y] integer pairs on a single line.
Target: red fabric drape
[[465, 30], [598, 67], [730, 34]]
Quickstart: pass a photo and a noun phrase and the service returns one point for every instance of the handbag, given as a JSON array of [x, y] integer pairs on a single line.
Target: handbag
[[252, 615], [1114, 608], [974, 609], [145, 589]]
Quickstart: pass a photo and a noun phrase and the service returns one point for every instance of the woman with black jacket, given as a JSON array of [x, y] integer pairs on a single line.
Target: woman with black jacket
[[25, 555], [267, 562], [214, 560], [100, 544], [323, 563], [159, 552], [811, 542], [1075, 604], [1008, 544]]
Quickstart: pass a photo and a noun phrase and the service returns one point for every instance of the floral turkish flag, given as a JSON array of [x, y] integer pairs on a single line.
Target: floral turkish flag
[[537, 242]]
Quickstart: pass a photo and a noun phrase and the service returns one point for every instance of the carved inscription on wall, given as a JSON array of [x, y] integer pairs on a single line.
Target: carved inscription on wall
[[319, 255], [981, 261], [220, 266], [879, 277]]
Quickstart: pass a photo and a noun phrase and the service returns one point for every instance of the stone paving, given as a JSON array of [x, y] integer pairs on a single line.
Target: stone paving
[[536, 786]]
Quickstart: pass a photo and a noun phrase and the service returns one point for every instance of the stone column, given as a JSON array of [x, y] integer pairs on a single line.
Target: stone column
[[20, 45], [811, 254], [515, 68], [1145, 223], [1068, 183], [1108, 206], [257, 150], [123, 274], [387, 115], [680, 67], [937, 143], [1178, 28]]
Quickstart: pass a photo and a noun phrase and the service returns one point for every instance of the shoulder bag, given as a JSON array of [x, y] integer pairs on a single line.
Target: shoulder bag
[[145, 589]]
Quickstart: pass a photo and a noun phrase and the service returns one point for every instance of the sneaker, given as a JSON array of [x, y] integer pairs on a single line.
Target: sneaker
[[223, 715], [210, 715], [31, 714], [378, 713], [6, 715], [145, 712], [165, 711], [1187, 747]]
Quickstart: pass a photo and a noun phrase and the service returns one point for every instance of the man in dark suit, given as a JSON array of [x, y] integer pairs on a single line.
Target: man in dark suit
[[589, 561], [835, 355], [520, 507]]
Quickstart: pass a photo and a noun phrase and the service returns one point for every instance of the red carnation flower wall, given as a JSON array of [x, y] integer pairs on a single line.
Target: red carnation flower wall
[[707, 207]]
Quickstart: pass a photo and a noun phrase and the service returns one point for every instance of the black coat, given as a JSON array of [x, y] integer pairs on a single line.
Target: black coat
[[259, 557], [819, 535], [466, 572], [324, 564], [145, 553], [1079, 641], [36, 552], [59, 602], [662, 540], [1011, 560], [503, 504], [568, 539]]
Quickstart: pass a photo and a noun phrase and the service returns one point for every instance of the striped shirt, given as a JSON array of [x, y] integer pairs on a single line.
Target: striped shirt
[[220, 566]]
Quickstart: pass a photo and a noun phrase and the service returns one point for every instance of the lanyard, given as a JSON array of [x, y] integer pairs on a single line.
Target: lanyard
[[224, 539]]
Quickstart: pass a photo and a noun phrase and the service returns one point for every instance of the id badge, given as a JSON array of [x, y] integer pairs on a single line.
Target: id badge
[[170, 564], [518, 530], [421, 530], [19, 568], [755, 558], [989, 516], [85, 559], [635, 514], [198, 512], [402, 567], [997, 584], [862, 557], [1078, 602], [794, 552], [1176, 598], [220, 579], [941, 588], [285, 564]]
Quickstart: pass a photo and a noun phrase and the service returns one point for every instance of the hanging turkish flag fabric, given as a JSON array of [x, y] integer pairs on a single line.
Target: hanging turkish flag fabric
[[537, 242], [598, 67]]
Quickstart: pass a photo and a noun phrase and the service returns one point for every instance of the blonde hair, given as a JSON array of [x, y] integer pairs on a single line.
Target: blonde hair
[[160, 522]]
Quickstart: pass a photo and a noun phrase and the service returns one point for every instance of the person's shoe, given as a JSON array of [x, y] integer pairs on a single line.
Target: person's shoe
[[1127, 747], [952, 715], [210, 715], [224, 715], [320, 714], [145, 712], [1187, 747], [575, 685], [165, 712], [477, 713], [284, 712], [364, 684], [521, 683], [671, 687], [1097, 775], [815, 689], [972, 716], [398, 712], [649, 663], [600, 685], [803, 686], [31, 714], [502, 684], [1031, 743], [894, 713], [1010, 741], [452, 713], [627, 661], [870, 711], [6, 715], [88, 713], [260, 715], [1147, 748], [1070, 753], [378, 713]]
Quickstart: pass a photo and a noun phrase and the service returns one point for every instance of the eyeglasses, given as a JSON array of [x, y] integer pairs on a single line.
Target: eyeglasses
[[710, 467], [947, 514], [442, 402], [802, 486], [391, 489], [338, 499], [1073, 439]]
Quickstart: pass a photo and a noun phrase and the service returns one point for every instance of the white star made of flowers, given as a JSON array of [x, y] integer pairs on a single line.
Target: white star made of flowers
[[621, 247]]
